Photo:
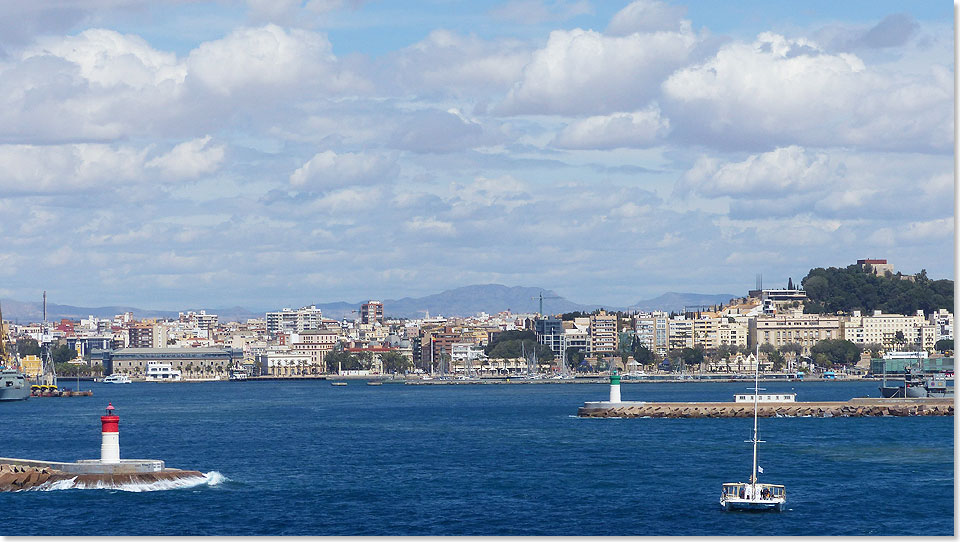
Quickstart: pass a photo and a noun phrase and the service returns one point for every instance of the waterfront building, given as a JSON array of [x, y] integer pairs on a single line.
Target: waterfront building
[[189, 361], [86, 345], [316, 343], [604, 339], [882, 329], [286, 363], [294, 321], [679, 333], [652, 331], [803, 329], [371, 312]]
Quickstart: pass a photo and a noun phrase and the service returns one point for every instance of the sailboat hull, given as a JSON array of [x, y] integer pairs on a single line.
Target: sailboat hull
[[752, 506]]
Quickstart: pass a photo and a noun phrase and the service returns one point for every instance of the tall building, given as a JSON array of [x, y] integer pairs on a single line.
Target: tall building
[[294, 321], [371, 311], [550, 333], [603, 333]]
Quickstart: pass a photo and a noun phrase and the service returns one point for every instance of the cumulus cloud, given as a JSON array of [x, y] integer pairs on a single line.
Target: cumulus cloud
[[584, 71], [463, 65], [269, 60], [646, 16], [55, 169], [190, 159], [102, 85], [328, 170], [788, 169], [779, 91], [637, 129]]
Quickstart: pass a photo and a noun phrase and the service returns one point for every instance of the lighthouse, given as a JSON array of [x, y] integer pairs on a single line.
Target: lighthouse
[[110, 445], [615, 387]]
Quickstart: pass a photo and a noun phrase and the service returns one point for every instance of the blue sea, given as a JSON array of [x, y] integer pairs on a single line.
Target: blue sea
[[308, 458]]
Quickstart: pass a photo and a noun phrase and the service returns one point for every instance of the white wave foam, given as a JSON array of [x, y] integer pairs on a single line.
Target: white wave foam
[[211, 478]]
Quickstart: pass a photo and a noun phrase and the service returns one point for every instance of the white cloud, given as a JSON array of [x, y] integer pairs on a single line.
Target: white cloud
[[778, 91], [463, 65], [637, 129], [268, 60], [788, 169], [190, 159], [583, 71], [328, 169], [430, 226]]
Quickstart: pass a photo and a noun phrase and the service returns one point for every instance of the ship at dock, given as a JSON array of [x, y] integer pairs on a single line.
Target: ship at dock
[[13, 383]]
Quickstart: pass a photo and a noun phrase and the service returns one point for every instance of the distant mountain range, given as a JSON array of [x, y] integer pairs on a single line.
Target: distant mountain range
[[465, 301]]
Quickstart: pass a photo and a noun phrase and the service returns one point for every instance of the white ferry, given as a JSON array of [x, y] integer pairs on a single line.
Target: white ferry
[[117, 378], [162, 372]]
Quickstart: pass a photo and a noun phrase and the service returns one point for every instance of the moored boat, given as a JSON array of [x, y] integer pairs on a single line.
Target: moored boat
[[117, 378], [13, 385]]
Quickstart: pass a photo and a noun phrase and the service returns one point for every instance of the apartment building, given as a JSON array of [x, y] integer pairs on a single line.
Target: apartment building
[[652, 331], [316, 343], [803, 329], [294, 321], [604, 338], [882, 329], [371, 312]]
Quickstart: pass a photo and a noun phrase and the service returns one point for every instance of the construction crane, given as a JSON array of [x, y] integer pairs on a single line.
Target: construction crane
[[542, 297], [3, 340]]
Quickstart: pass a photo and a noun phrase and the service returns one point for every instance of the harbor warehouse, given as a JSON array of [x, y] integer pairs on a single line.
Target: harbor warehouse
[[187, 360]]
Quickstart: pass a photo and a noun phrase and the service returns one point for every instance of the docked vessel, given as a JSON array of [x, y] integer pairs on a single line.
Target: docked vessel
[[13, 386], [752, 495], [162, 372], [13, 383], [338, 383], [117, 379]]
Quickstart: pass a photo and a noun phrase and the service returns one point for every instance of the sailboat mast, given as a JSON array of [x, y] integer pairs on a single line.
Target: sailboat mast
[[756, 399]]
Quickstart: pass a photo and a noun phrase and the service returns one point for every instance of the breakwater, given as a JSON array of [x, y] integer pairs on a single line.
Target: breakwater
[[857, 407], [19, 475]]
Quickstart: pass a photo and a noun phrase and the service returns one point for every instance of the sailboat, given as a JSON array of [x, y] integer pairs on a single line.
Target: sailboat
[[753, 495]]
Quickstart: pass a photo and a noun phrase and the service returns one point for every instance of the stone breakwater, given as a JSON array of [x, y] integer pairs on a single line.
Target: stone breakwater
[[825, 409], [15, 477]]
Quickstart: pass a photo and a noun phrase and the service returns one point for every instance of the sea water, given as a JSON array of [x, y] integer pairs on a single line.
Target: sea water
[[308, 458]]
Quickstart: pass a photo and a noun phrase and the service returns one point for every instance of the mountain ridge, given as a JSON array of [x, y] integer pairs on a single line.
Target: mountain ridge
[[461, 301]]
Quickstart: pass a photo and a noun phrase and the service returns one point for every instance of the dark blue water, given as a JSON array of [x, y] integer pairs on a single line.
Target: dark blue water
[[307, 458]]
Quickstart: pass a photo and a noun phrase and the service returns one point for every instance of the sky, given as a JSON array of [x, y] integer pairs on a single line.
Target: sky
[[272, 153]]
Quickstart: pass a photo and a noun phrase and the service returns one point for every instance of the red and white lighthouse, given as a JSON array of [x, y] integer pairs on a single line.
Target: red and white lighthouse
[[110, 445]]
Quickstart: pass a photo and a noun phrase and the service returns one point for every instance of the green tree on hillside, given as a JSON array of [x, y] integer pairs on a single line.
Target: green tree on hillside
[[847, 289]]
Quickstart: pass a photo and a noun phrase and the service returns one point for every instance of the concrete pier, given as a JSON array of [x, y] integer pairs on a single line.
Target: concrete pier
[[857, 407]]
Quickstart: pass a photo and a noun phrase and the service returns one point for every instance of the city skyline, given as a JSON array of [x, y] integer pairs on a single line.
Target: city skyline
[[260, 154]]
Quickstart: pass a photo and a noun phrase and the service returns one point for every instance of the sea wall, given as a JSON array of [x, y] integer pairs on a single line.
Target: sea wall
[[22, 477], [853, 408]]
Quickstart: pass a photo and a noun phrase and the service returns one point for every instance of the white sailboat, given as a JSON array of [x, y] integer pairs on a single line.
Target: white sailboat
[[753, 495]]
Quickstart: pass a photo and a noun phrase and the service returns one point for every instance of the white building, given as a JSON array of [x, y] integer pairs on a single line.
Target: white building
[[882, 329], [294, 321]]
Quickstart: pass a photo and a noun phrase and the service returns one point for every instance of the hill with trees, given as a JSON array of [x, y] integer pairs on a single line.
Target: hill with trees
[[850, 288]]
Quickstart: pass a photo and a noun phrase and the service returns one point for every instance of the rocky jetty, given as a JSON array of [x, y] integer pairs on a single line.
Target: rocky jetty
[[853, 408], [14, 477]]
